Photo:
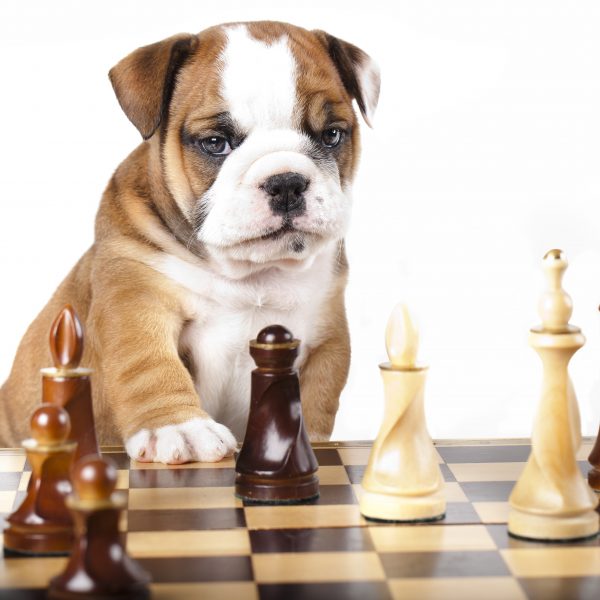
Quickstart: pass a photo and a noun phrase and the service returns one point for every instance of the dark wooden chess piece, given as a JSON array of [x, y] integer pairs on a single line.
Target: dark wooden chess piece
[[276, 463], [42, 525], [67, 384], [594, 460], [99, 567]]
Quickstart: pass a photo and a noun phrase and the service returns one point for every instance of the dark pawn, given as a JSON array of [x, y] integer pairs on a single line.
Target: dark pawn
[[276, 463], [67, 384], [42, 525], [594, 460], [98, 568]]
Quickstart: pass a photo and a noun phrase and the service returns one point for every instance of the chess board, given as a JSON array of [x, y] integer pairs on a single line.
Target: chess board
[[197, 540]]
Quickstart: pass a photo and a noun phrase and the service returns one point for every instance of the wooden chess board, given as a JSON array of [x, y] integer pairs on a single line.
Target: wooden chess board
[[197, 540]]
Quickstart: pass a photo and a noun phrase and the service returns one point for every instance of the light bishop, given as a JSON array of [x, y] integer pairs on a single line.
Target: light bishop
[[403, 481]]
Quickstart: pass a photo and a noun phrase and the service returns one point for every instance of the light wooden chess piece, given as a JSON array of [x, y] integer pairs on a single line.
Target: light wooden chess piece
[[551, 501], [403, 481]]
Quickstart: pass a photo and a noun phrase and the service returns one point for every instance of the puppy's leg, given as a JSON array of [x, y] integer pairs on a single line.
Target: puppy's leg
[[322, 379], [135, 325]]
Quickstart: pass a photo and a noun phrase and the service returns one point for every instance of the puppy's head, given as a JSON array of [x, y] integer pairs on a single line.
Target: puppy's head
[[257, 137]]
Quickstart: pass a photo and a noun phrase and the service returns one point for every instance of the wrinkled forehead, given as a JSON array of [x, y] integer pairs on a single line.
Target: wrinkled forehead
[[266, 77]]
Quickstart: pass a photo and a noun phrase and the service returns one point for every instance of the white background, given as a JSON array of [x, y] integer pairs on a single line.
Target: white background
[[485, 154]]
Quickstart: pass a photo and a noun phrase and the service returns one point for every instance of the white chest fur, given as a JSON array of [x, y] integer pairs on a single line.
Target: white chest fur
[[223, 315]]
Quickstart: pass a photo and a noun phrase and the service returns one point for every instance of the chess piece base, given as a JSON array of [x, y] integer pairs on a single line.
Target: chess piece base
[[33, 542], [392, 507], [134, 593], [551, 527], [276, 491]]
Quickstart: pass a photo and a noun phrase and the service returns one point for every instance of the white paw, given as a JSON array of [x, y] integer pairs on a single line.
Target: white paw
[[140, 446], [198, 439]]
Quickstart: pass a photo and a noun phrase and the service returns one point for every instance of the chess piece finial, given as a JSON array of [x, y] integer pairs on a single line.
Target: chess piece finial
[[94, 480], [403, 481], [274, 334], [50, 425], [99, 566], [402, 338], [68, 385], [274, 347], [555, 305], [276, 463], [66, 339], [551, 501], [42, 524]]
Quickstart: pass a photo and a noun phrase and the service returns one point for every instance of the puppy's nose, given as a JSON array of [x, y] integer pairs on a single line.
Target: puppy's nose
[[286, 191]]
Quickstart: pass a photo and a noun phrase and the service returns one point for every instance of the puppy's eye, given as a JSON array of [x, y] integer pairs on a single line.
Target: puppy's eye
[[331, 137], [216, 145]]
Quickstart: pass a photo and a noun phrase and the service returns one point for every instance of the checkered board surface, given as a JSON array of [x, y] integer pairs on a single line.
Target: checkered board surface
[[197, 540]]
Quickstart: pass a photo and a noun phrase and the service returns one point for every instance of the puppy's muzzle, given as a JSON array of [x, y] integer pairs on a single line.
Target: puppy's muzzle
[[286, 193]]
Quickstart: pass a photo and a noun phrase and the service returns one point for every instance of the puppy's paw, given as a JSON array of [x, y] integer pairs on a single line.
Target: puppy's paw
[[199, 439], [141, 446], [208, 441]]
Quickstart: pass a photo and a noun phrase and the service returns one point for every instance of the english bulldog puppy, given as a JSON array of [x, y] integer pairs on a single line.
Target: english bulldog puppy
[[228, 217]]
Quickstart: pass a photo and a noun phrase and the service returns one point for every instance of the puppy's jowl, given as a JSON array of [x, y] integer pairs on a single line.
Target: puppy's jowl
[[230, 216]]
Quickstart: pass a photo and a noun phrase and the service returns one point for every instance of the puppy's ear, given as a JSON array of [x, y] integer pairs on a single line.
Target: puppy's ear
[[143, 81], [358, 71]]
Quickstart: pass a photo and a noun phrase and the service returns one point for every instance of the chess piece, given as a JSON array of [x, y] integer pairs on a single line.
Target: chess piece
[[99, 567], [276, 463], [42, 525], [551, 501], [403, 481], [67, 384], [594, 460]]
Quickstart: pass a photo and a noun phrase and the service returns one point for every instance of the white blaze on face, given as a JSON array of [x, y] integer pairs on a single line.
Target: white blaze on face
[[260, 93], [259, 81]]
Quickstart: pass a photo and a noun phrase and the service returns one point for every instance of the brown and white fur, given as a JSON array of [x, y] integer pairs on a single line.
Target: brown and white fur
[[191, 259]]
